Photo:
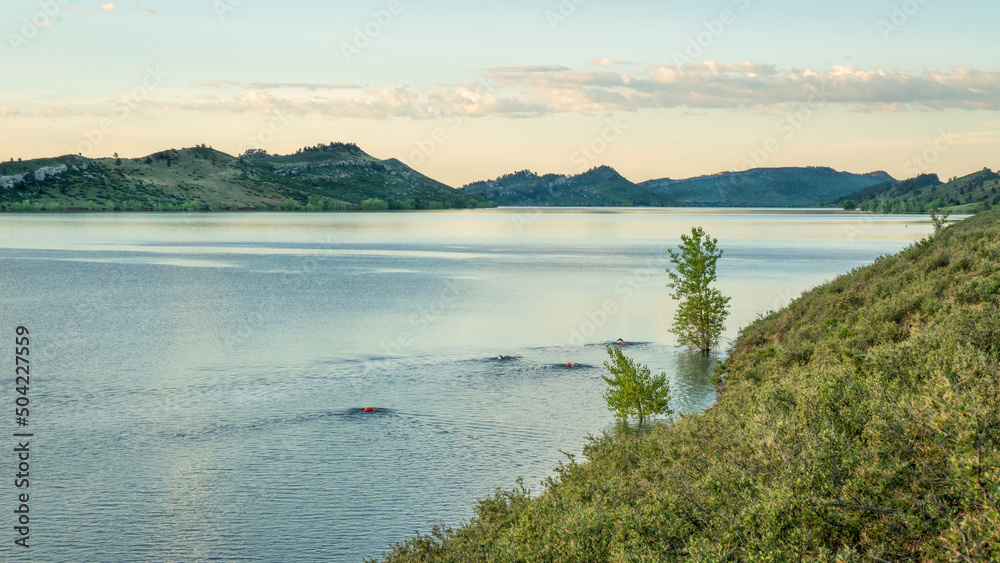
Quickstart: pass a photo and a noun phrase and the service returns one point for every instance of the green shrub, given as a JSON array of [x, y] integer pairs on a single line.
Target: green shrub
[[374, 205]]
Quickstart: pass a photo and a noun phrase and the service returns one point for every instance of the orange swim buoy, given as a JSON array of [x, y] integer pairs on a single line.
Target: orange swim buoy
[[369, 409], [569, 364]]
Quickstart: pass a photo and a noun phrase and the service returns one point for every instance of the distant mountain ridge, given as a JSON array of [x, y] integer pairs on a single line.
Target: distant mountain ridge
[[322, 177], [766, 187], [342, 176], [603, 186]]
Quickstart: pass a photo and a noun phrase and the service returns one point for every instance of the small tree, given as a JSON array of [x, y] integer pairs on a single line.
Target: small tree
[[632, 391], [939, 220], [702, 312]]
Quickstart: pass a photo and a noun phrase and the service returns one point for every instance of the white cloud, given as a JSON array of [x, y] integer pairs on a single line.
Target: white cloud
[[146, 9], [109, 7], [531, 90], [751, 85], [606, 61], [529, 69], [310, 86]]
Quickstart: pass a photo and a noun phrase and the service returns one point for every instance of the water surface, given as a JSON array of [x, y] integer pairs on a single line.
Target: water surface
[[200, 380]]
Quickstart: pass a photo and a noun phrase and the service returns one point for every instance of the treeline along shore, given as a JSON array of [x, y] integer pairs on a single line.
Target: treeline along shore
[[859, 423]]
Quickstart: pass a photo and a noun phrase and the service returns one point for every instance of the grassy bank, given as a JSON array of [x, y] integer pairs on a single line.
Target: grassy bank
[[860, 423]]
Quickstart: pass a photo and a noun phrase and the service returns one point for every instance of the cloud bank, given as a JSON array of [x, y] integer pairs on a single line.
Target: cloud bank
[[520, 91]]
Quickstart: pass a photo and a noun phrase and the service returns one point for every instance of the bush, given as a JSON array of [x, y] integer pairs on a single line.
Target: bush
[[397, 205], [374, 205], [632, 390]]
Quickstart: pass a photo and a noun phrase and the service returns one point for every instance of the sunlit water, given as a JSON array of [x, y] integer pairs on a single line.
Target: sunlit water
[[199, 381]]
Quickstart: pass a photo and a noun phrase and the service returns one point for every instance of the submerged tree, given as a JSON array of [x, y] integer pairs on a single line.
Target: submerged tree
[[632, 390], [939, 221], [702, 312]]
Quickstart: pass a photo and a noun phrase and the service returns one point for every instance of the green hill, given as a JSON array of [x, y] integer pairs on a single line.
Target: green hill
[[860, 423], [765, 187], [969, 194], [335, 176], [601, 186], [346, 172]]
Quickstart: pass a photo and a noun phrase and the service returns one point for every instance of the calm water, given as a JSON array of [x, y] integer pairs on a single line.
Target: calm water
[[199, 380]]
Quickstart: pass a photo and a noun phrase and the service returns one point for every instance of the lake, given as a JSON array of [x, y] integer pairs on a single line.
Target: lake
[[199, 380]]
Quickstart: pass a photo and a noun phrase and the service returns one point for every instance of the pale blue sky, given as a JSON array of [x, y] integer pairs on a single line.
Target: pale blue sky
[[508, 85]]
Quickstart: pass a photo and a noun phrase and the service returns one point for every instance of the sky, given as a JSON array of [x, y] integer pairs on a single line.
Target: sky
[[470, 90]]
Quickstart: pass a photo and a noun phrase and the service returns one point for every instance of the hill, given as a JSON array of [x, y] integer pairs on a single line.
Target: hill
[[969, 194], [598, 187], [765, 187], [346, 172], [860, 423], [334, 176], [603, 186]]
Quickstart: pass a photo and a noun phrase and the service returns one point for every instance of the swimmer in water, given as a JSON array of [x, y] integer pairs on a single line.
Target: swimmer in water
[[620, 341], [502, 357]]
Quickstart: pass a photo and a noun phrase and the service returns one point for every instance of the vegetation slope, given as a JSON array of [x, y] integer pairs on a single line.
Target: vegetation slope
[[334, 176], [603, 186], [344, 171], [766, 187], [969, 194], [860, 423]]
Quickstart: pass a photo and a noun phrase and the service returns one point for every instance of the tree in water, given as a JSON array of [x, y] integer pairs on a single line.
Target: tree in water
[[939, 221], [701, 314], [632, 390]]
